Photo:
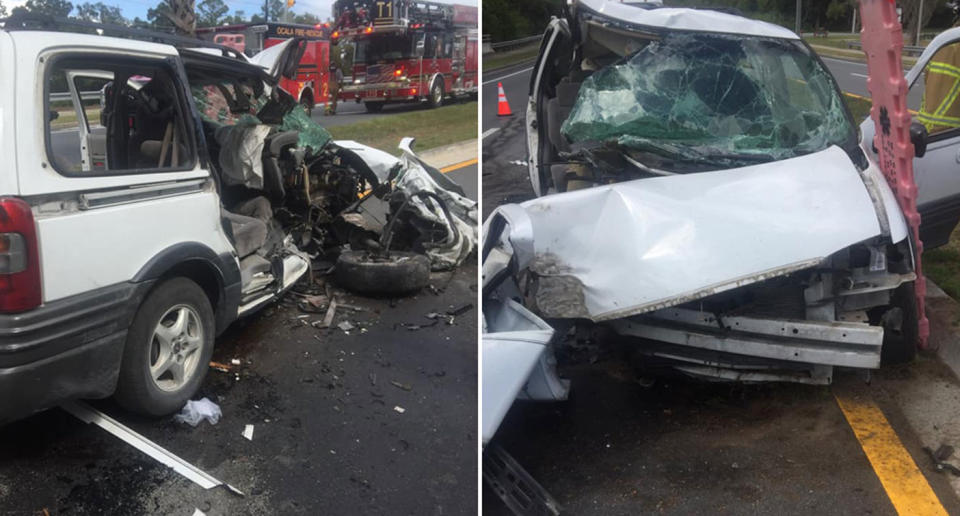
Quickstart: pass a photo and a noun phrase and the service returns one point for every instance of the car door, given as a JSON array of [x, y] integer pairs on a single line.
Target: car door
[[937, 172], [100, 225], [555, 39]]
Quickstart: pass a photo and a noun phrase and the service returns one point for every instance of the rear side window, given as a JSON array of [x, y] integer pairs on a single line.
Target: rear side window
[[115, 115]]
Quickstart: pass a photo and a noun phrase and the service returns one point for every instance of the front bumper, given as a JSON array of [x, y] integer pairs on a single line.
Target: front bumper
[[67, 349]]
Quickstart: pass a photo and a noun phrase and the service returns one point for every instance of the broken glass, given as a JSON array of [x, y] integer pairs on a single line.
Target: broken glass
[[312, 134], [713, 99]]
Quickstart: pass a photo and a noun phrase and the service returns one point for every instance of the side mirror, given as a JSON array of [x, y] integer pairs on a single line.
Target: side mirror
[[420, 47], [918, 136]]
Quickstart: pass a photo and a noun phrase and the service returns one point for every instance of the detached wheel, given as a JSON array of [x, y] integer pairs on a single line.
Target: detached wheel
[[436, 94], [900, 326], [365, 273], [373, 107], [167, 351]]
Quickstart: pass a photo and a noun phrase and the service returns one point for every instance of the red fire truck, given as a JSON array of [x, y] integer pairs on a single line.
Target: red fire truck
[[408, 51], [311, 86]]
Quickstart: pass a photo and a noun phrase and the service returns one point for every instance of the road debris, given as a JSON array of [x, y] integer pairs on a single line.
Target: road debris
[[939, 457], [328, 318], [248, 432], [223, 368], [460, 310], [399, 409], [89, 415], [235, 361], [402, 386], [346, 326], [196, 411]]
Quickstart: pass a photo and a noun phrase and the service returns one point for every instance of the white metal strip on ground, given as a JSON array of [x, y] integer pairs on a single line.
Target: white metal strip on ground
[[88, 415]]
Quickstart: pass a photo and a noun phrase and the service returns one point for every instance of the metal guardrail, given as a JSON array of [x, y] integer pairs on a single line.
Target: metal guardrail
[[907, 49], [514, 43], [65, 96]]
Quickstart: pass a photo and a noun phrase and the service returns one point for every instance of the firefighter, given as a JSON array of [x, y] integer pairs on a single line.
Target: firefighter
[[336, 79], [940, 108]]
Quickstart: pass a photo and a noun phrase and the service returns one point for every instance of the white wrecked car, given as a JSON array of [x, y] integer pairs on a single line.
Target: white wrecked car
[[704, 196], [137, 228]]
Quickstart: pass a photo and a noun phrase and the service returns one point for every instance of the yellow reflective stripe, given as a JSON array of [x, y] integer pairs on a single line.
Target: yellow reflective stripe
[[947, 101], [945, 69], [941, 120], [945, 65]]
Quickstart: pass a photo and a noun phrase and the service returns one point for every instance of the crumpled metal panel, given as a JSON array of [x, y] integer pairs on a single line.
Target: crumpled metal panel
[[617, 250], [511, 352], [462, 235], [707, 96], [682, 19]]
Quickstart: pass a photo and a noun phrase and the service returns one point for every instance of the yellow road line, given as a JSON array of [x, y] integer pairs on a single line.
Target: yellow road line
[[443, 170], [902, 480], [868, 99], [462, 164]]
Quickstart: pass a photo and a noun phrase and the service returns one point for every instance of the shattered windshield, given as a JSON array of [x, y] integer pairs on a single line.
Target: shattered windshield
[[713, 98]]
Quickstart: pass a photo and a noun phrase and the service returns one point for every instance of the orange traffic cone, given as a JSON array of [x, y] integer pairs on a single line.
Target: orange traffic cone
[[503, 109]]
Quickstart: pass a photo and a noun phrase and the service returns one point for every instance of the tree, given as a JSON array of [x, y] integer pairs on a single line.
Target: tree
[[211, 12], [176, 14], [55, 8], [3, 10], [307, 19], [273, 9], [235, 18], [101, 13]]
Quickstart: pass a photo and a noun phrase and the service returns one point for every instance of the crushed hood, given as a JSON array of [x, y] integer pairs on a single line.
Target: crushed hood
[[618, 250]]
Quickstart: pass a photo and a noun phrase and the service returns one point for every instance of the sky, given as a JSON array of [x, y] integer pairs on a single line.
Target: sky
[[134, 8]]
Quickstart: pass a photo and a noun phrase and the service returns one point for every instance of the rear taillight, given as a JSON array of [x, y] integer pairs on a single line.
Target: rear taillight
[[19, 258]]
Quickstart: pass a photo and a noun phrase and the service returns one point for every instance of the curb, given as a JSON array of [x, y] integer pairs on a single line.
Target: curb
[[453, 154]]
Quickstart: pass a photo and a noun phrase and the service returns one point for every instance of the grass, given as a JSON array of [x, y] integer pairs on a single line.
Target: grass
[[431, 127], [942, 265], [859, 107], [501, 60]]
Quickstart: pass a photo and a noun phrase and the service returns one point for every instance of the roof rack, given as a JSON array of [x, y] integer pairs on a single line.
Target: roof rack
[[34, 21]]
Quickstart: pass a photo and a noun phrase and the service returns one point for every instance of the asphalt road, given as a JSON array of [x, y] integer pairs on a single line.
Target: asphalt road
[[327, 437], [349, 112]]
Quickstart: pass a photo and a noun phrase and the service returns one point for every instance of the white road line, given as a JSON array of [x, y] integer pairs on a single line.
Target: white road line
[[859, 75], [844, 61], [488, 132], [508, 75]]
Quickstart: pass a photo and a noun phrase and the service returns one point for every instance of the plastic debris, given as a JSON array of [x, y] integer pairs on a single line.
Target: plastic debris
[[196, 411], [346, 326], [403, 386], [223, 368], [235, 361], [248, 432], [399, 409]]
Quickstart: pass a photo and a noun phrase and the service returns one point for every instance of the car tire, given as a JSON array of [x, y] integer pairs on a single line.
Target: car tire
[[163, 364], [373, 107], [365, 273], [436, 94], [900, 326]]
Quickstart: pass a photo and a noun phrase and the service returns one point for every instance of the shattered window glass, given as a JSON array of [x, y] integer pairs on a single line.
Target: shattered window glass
[[714, 99], [312, 134], [215, 107]]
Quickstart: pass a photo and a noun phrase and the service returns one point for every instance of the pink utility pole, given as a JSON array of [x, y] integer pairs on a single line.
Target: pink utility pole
[[882, 40]]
